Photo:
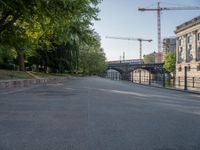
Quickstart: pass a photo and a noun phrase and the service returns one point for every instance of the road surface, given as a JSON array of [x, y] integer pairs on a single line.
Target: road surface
[[97, 114]]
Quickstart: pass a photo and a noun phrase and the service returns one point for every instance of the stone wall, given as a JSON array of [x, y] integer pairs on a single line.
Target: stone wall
[[20, 83]]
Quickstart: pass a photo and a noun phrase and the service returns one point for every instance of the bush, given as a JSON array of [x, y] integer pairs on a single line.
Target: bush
[[8, 66]]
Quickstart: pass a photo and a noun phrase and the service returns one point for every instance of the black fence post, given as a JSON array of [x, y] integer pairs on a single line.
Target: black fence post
[[140, 76], [163, 79], [193, 82], [185, 78], [149, 78], [174, 80], [132, 76]]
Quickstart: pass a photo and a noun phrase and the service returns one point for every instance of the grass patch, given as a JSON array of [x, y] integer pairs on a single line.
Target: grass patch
[[8, 74]]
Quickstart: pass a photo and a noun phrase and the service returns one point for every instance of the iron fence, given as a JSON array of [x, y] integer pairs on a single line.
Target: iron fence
[[186, 79]]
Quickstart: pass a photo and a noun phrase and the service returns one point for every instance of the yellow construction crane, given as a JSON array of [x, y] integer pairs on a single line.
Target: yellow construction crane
[[132, 39], [159, 9]]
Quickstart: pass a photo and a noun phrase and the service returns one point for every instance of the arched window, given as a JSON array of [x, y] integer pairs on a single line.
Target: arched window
[[189, 56]]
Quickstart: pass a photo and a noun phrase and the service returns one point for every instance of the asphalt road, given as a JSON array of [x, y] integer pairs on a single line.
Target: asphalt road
[[98, 114]]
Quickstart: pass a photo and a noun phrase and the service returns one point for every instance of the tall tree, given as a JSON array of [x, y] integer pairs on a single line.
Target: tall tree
[[27, 21], [170, 62], [92, 57]]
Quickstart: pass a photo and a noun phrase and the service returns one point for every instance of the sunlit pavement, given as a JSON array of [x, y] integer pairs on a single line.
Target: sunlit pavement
[[98, 114]]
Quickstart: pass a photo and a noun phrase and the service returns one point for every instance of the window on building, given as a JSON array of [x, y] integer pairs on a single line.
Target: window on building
[[198, 53], [179, 68], [180, 59], [198, 36], [189, 39], [198, 67], [179, 42], [189, 56], [188, 68]]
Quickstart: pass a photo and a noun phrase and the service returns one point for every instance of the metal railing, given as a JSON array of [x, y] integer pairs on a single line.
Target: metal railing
[[186, 79]]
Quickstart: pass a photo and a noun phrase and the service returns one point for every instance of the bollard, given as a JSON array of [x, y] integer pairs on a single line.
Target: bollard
[[185, 78]]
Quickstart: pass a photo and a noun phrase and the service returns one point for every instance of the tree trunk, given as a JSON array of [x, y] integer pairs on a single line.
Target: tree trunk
[[20, 54]]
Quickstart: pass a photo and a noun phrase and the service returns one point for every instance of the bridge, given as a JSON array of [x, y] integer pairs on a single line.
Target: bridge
[[127, 69]]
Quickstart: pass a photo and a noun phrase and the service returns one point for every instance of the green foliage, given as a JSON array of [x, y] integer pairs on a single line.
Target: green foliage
[[49, 13], [150, 58], [92, 57], [6, 55], [92, 61], [170, 62], [52, 34]]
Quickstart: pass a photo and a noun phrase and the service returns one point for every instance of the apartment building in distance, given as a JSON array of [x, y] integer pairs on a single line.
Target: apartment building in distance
[[188, 51], [169, 45]]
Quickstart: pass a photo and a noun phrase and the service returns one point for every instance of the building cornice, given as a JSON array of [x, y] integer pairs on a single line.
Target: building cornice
[[195, 21]]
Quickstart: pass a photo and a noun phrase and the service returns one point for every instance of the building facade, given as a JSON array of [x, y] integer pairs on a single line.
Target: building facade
[[188, 52], [159, 57], [155, 57], [169, 45]]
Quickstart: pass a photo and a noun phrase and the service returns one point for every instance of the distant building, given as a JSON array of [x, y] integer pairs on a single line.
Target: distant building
[[149, 58], [155, 57], [188, 50], [169, 45], [158, 57]]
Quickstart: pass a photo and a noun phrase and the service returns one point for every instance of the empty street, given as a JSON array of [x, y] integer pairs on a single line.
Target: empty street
[[92, 113]]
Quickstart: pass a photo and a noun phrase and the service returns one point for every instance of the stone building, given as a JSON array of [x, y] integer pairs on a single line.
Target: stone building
[[188, 52]]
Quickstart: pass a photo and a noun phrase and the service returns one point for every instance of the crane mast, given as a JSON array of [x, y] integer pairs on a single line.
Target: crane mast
[[159, 27], [132, 39]]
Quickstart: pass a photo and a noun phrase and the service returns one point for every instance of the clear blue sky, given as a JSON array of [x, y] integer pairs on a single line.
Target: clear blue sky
[[122, 18]]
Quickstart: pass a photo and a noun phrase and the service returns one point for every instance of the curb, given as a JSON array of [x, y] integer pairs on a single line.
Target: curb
[[21, 83], [167, 88]]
